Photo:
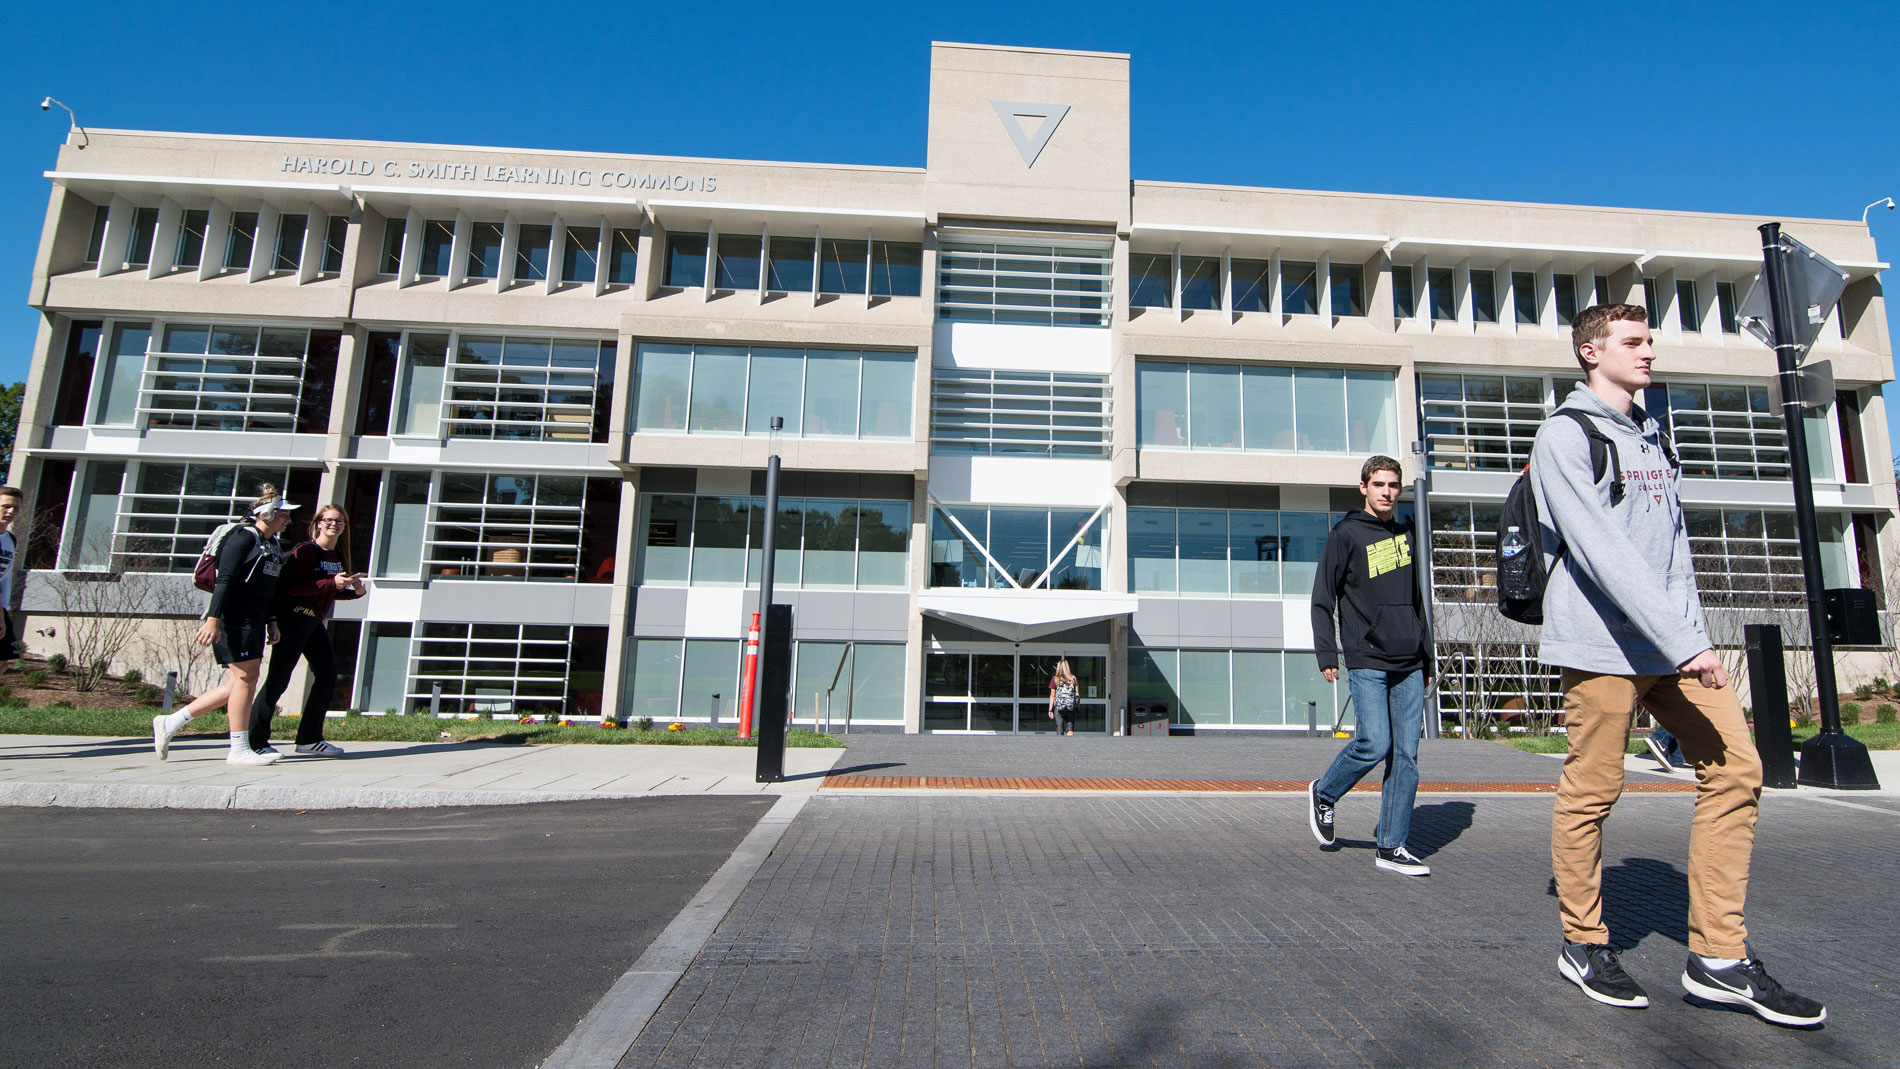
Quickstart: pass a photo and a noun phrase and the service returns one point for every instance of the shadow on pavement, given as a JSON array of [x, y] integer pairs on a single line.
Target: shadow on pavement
[[1643, 897], [845, 771], [1435, 827]]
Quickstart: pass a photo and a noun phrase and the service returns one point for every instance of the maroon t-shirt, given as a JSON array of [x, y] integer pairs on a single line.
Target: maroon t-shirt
[[308, 581]]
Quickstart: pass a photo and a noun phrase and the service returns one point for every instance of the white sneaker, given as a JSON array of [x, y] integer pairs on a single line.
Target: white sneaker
[[269, 749], [321, 748], [161, 735], [252, 757]]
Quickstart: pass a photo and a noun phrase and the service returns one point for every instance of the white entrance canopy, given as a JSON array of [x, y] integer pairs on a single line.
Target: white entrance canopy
[[1020, 615]]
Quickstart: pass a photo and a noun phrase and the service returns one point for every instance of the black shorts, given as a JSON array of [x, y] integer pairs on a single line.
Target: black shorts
[[240, 638]]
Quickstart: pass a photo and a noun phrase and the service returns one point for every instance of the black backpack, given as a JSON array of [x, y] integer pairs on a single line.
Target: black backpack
[[1521, 576]]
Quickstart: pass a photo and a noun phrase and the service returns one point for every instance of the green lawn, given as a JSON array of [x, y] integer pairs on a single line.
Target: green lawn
[[1874, 736], [136, 723]]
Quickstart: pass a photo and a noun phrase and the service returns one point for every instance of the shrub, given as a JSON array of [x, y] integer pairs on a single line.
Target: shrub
[[133, 677], [146, 693], [645, 723], [56, 663], [1850, 713], [1880, 684], [34, 678], [1803, 718], [12, 703], [62, 704], [352, 712], [1864, 691], [1885, 713], [389, 712]]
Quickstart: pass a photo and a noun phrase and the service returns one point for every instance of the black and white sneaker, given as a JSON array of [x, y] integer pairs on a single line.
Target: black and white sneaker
[[1748, 985], [1319, 815], [1593, 967], [1400, 860], [1656, 750]]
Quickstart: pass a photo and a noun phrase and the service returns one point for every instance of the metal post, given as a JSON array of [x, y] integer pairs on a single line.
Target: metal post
[[713, 718], [435, 699], [171, 691], [769, 718], [1768, 689], [1312, 720], [1422, 567], [1831, 758]]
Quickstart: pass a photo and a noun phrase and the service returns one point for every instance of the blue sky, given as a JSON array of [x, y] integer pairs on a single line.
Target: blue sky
[[1649, 106]]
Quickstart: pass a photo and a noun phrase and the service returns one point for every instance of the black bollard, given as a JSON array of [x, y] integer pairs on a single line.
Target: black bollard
[[1768, 692], [775, 689]]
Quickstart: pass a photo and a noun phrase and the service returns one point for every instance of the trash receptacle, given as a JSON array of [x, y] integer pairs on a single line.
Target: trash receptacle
[[1148, 718]]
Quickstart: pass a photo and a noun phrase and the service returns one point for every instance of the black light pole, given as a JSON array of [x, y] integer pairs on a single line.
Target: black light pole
[[1422, 569], [1832, 758], [768, 698]]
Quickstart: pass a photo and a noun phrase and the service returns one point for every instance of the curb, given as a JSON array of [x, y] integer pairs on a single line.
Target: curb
[[185, 796]]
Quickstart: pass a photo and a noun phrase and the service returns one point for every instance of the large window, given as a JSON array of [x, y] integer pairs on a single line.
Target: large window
[[505, 670], [1039, 413], [1017, 548], [1464, 549], [1483, 422], [219, 376], [509, 387], [496, 525], [1265, 409], [796, 264], [1725, 430], [820, 393], [697, 679], [1224, 552], [1245, 689], [155, 517], [819, 543], [1043, 285]]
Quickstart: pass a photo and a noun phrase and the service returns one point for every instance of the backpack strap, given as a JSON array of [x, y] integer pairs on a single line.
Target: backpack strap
[[1603, 454]]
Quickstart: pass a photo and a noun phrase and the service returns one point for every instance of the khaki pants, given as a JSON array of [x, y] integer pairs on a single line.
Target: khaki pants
[[1714, 738]]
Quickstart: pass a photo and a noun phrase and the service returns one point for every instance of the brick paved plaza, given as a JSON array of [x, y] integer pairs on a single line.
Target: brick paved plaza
[[914, 929]]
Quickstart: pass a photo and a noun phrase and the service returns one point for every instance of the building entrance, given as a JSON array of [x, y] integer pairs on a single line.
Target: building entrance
[[1001, 689]]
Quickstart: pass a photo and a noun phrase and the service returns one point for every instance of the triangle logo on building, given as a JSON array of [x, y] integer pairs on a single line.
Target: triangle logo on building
[[1013, 112]]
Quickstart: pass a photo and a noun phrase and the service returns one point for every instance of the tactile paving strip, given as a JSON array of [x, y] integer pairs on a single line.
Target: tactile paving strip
[[1046, 783]]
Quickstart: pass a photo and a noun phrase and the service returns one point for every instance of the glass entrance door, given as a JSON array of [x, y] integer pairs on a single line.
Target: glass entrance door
[[1008, 693]]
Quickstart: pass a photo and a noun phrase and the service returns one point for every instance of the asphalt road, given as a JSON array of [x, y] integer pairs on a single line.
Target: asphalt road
[[440, 937]]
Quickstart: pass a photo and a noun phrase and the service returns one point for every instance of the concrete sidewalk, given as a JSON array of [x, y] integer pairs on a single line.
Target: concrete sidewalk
[[43, 770]]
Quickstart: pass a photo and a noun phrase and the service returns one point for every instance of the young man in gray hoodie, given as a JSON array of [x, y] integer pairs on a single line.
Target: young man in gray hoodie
[[1623, 619]]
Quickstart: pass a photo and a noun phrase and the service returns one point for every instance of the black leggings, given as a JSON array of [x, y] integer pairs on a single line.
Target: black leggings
[[304, 636]]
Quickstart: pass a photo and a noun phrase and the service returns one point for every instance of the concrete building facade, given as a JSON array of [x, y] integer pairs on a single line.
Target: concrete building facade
[[1033, 408]]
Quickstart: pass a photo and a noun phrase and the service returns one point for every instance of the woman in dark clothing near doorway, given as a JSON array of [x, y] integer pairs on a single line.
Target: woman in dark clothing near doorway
[[316, 576]]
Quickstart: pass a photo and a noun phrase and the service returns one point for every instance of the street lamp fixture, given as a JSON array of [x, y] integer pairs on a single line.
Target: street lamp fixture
[[1888, 201], [48, 104]]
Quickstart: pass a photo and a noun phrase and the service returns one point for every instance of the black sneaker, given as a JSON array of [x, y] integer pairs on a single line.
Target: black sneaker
[[1748, 985], [1656, 750], [1593, 967], [1319, 815], [1400, 860]]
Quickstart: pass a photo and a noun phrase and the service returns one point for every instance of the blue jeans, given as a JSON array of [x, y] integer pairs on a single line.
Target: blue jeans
[[1389, 712]]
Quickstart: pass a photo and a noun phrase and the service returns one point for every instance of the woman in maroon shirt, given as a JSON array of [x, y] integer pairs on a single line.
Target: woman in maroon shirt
[[316, 576]]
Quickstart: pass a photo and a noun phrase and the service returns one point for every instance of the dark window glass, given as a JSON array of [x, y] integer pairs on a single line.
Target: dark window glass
[[1484, 297], [290, 231], [897, 269], [1200, 282], [438, 241], [362, 488], [604, 374], [580, 259], [75, 375], [790, 267], [239, 242], [1250, 285], [600, 520], [138, 247], [1349, 289], [98, 238], [738, 266], [1524, 295], [392, 247], [484, 250], [1725, 307], [686, 260], [1444, 301], [531, 253], [586, 671], [379, 384], [319, 381], [1299, 287], [623, 257], [1688, 309], [841, 266], [1651, 303], [346, 637], [333, 239], [1149, 284], [1603, 289], [49, 514], [191, 239], [1565, 289], [1404, 300]]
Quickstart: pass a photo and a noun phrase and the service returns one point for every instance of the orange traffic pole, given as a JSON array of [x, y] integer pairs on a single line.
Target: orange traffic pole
[[748, 685]]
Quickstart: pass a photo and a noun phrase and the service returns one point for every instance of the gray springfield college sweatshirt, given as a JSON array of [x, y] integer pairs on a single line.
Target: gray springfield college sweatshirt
[[1624, 600]]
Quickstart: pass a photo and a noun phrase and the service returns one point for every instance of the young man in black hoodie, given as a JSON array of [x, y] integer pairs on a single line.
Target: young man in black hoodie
[[1366, 573]]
